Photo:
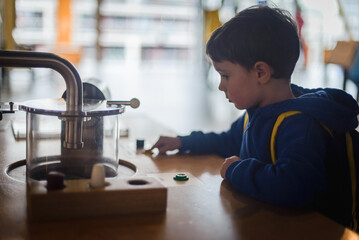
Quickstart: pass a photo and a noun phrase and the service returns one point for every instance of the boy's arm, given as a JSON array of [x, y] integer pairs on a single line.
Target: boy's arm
[[225, 144], [165, 144], [298, 175]]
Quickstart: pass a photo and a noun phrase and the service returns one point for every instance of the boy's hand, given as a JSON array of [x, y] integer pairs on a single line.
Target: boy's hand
[[165, 144], [226, 163]]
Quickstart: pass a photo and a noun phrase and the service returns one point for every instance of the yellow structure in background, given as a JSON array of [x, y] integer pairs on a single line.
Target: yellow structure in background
[[64, 19], [9, 24], [64, 46], [211, 22]]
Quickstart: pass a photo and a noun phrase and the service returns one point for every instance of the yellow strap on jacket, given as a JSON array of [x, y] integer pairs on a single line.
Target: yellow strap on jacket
[[350, 155], [280, 119], [353, 177]]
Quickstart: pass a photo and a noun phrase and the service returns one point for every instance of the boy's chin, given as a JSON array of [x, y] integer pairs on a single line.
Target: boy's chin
[[239, 107]]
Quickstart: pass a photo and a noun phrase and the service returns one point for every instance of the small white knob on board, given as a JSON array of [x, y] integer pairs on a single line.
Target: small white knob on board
[[98, 176]]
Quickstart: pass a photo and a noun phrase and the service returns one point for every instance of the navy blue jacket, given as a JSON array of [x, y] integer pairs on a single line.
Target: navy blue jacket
[[299, 177]]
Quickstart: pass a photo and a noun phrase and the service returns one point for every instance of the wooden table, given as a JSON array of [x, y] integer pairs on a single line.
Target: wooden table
[[208, 208]]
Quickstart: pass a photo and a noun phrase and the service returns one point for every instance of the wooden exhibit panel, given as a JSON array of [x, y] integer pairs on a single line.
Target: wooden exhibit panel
[[78, 199]]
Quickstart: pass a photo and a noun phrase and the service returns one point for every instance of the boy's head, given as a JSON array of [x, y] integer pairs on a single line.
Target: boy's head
[[259, 33]]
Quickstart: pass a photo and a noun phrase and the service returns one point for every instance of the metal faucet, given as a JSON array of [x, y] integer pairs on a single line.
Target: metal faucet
[[73, 115]]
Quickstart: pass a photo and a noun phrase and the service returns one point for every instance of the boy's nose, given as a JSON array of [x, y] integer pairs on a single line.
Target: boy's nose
[[221, 87]]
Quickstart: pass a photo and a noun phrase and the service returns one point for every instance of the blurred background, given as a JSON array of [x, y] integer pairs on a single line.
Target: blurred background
[[154, 50]]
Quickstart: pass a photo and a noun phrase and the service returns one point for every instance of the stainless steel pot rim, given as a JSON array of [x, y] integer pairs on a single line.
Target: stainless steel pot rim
[[57, 107]]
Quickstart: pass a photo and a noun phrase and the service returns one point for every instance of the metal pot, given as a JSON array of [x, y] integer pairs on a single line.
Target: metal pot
[[89, 126]]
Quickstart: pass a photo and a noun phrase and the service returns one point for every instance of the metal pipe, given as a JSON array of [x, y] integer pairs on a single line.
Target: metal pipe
[[134, 103], [74, 100]]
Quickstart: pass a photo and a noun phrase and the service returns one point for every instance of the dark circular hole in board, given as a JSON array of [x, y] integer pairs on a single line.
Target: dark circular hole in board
[[137, 182]]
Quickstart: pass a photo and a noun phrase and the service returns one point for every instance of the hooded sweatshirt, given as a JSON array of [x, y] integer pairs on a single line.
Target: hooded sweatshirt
[[300, 176]]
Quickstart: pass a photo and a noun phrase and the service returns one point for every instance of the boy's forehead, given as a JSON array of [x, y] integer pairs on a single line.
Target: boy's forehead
[[223, 65]]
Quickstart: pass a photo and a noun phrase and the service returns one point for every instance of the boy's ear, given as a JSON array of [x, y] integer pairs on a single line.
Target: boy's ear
[[263, 72]]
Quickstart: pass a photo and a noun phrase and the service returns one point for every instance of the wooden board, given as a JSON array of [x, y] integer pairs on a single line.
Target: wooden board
[[78, 199]]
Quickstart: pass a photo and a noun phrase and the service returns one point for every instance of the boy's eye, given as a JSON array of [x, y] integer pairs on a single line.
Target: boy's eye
[[224, 76]]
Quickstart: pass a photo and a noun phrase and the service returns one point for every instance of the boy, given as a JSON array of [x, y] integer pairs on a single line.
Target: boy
[[255, 54]]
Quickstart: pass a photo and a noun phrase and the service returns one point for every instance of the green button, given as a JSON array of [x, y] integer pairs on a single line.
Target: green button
[[181, 177]]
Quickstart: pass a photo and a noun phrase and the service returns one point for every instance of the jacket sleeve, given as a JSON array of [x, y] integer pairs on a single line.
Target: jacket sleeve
[[225, 144], [298, 175]]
